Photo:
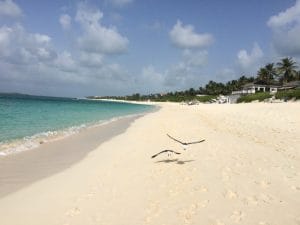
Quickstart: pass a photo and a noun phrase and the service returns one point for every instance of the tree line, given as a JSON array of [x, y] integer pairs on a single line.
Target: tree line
[[276, 74]]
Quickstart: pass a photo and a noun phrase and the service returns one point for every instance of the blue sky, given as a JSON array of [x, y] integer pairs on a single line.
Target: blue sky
[[117, 47]]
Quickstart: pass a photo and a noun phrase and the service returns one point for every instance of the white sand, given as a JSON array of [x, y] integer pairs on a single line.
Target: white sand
[[246, 172]]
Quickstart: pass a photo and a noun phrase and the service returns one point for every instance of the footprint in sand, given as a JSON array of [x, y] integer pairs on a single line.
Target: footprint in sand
[[264, 184], [187, 214], [263, 223], [251, 200], [237, 216], [204, 203], [200, 189], [154, 208], [266, 198], [218, 222], [229, 194], [261, 170], [73, 212], [90, 195], [188, 179], [295, 188], [225, 177], [226, 172], [173, 192], [147, 219]]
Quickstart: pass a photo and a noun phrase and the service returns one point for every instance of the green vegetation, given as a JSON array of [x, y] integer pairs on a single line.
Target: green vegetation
[[284, 71], [210, 90], [206, 98], [287, 70], [267, 73], [253, 97], [287, 95]]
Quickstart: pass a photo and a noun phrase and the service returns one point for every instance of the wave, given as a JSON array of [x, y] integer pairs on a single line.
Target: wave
[[34, 141]]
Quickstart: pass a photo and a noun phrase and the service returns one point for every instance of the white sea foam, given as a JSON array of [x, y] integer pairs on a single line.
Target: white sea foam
[[31, 142]]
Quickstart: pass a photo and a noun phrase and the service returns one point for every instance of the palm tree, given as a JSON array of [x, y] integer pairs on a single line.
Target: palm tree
[[262, 75], [244, 80], [267, 73], [287, 68], [271, 70]]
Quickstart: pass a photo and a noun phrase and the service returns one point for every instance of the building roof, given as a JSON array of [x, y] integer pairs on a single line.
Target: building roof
[[292, 84], [259, 84]]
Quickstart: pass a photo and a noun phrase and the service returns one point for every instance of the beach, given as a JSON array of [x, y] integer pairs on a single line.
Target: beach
[[247, 171]]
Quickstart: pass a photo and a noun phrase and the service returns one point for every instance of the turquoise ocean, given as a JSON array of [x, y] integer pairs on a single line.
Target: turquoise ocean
[[27, 121]]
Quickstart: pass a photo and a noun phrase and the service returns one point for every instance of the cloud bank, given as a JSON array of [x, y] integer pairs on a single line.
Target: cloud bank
[[285, 27], [30, 62]]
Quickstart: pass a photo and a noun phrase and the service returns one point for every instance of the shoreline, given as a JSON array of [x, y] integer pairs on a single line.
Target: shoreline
[[246, 172], [23, 168], [48, 121]]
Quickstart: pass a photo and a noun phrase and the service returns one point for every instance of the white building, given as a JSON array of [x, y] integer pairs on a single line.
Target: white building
[[252, 88]]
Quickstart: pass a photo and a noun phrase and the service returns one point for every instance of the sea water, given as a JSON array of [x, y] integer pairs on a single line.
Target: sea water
[[28, 121]]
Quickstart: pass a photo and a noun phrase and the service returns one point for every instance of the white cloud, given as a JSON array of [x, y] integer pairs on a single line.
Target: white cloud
[[19, 47], [289, 16], [226, 74], [98, 38], [195, 58], [65, 62], [176, 75], [120, 3], [249, 60], [186, 73], [41, 38], [286, 31], [87, 59], [5, 34], [10, 9], [65, 21], [184, 36], [30, 64], [182, 76], [150, 80]]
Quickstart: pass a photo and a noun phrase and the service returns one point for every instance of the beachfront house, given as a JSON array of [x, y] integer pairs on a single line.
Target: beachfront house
[[252, 88]]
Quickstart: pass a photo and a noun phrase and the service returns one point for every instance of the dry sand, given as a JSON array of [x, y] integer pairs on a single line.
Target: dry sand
[[246, 172]]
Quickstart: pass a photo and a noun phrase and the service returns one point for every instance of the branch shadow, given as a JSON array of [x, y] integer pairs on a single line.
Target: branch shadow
[[180, 162]]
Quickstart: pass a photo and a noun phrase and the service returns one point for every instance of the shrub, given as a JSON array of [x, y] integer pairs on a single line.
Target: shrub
[[252, 97], [205, 98], [288, 94]]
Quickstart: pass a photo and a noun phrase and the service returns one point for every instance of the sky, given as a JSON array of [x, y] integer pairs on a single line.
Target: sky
[[117, 47]]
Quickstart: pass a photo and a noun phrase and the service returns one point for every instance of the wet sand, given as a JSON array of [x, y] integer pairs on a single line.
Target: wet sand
[[21, 169]]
